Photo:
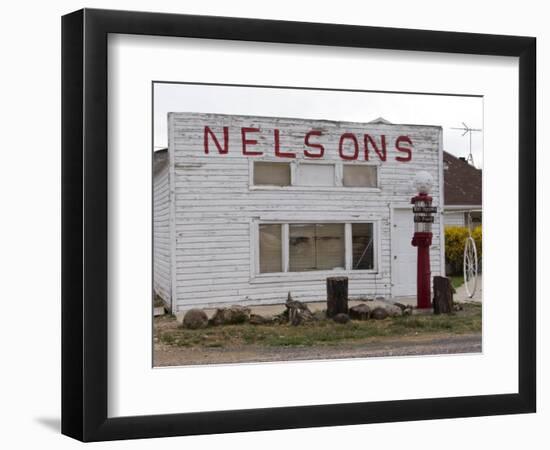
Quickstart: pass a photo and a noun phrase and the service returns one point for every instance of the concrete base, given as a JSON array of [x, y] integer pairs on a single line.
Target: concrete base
[[462, 297]]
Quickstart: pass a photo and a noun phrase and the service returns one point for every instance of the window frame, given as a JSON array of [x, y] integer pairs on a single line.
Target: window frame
[[257, 277], [294, 186]]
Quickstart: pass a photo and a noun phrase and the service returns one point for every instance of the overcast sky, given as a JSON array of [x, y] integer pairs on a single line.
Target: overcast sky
[[446, 111]]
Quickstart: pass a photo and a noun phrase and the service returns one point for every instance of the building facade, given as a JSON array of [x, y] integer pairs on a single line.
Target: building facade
[[247, 209]]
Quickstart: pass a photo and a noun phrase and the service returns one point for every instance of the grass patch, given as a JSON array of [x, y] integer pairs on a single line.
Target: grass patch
[[457, 280], [321, 333]]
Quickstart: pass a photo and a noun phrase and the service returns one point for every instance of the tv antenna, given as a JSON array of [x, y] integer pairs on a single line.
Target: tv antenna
[[469, 131]]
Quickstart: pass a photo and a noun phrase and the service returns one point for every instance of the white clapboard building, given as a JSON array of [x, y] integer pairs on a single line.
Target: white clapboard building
[[247, 209]]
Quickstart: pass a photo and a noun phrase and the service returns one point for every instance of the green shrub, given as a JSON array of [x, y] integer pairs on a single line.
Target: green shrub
[[455, 238]]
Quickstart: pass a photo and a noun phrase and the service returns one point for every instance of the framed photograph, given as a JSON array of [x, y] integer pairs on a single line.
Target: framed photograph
[[273, 225]]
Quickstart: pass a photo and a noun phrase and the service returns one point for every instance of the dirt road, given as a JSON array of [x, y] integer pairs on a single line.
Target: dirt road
[[166, 355]]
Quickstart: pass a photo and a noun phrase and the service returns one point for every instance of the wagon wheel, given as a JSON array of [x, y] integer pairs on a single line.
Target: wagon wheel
[[470, 266]]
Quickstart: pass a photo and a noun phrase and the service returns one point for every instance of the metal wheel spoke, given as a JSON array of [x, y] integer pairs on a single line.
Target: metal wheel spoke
[[470, 266]]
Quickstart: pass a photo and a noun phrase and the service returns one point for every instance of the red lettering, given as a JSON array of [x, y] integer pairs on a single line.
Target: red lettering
[[407, 150], [249, 141], [317, 146], [222, 150], [278, 151], [380, 152], [355, 146]]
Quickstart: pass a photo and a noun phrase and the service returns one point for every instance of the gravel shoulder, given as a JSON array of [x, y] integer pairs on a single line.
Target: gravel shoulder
[[434, 344]]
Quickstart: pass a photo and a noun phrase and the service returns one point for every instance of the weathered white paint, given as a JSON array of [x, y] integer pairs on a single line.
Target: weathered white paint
[[456, 215], [403, 254], [216, 210], [161, 230], [451, 218], [441, 174]]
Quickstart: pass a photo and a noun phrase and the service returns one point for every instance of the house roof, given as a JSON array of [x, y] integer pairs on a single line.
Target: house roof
[[160, 160], [462, 182]]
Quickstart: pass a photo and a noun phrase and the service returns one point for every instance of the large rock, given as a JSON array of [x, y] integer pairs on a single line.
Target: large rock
[[406, 310], [256, 319], [235, 314], [195, 319], [359, 312], [379, 313], [393, 309], [341, 318]]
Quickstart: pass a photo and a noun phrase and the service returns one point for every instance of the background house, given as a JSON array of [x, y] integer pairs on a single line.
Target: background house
[[462, 186]]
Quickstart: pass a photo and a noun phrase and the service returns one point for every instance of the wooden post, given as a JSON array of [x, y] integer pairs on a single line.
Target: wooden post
[[337, 296], [443, 296]]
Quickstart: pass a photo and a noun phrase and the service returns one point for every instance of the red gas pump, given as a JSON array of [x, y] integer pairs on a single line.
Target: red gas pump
[[422, 238]]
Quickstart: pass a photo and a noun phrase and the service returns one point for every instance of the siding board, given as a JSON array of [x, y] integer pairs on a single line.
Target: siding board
[[161, 230]]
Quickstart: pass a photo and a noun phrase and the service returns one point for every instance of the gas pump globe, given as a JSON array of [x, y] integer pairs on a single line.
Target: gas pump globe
[[422, 239]]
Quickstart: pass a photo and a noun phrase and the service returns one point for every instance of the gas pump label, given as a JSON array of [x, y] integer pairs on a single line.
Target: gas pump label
[[423, 219], [424, 209]]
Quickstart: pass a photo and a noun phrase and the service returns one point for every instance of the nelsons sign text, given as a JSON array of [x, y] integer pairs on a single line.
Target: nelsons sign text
[[348, 146]]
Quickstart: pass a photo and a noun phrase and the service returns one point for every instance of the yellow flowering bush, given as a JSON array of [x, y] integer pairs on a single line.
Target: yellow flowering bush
[[455, 238]]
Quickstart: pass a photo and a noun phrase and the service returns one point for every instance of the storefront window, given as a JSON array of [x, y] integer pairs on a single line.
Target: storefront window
[[307, 247], [363, 246], [270, 248], [316, 247]]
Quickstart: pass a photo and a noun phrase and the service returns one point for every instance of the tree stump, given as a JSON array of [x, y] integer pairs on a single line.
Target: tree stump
[[443, 296], [337, 296]]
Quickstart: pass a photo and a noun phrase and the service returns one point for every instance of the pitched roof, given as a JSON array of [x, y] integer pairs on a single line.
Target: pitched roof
[[462, 181], [160, 160], [380, 120]]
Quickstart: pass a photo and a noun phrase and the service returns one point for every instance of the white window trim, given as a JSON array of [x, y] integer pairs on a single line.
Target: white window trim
[[338, 173], [286, 275]]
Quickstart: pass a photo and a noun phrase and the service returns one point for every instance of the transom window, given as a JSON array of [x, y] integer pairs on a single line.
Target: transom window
[[306, 247], [321, 174], [271, 173], [359, 175], [316, 175]]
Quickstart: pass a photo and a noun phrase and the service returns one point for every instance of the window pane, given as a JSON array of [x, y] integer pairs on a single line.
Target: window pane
[[301, 247], [316, 247], [315, 175], [272, 173], [330, 246], [363, 246], [270, 248], [356, 175]]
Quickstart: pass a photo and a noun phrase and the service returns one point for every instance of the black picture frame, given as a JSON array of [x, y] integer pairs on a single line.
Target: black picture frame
[[84, 224]]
